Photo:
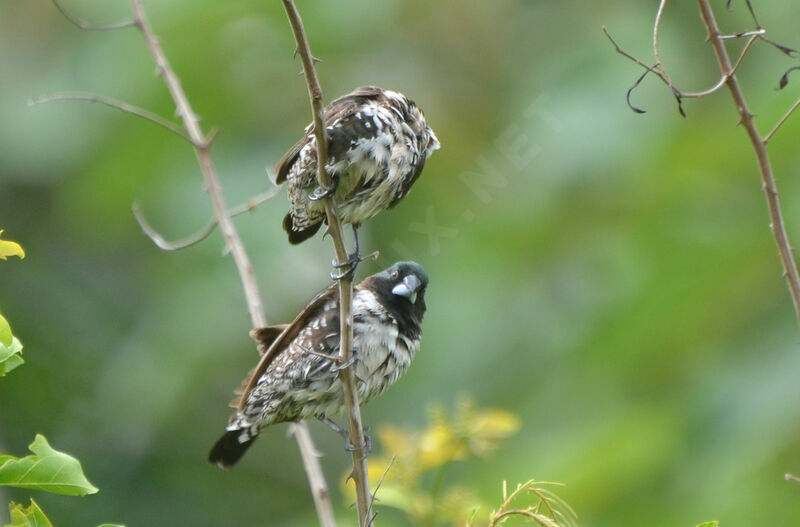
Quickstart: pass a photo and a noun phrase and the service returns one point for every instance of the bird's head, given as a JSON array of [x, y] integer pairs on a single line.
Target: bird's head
[[402, 285]]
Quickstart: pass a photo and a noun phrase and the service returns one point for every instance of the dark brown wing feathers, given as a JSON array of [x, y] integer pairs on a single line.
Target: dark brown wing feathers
[[279, 344], [339, 108]]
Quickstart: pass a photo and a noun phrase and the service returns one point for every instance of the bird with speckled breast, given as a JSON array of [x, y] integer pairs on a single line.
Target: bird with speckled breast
[[298, 374], [378, 143]]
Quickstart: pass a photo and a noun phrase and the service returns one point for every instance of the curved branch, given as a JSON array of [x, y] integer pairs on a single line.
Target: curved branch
[[346, 375], [659, 70], [86, 26], [112, 103], [202, 234]]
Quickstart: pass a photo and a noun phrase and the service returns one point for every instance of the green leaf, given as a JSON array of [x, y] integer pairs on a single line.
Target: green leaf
[[5, 332], [14, 362], [473, 515], [8, 248], [713, 523], [47, 470], [30, 516], [10, 356], [111, 525]]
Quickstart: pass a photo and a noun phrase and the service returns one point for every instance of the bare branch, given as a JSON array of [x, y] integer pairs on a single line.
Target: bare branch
[[112, 103], [86, 26], [201, 146], [319, 488], [791, 477], [760, 150], [346, 375], [741, 34], [656, 53], [233, 242], [202, 234], [380, 482], [783, 120], [659, 70], [724, 78]]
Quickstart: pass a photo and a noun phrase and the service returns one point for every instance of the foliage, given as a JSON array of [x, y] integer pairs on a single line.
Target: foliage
[[10, 347], [8, 248], [616, 289], [547, 510], [47, 469], [410, 471], [10, 355], [32, 516]]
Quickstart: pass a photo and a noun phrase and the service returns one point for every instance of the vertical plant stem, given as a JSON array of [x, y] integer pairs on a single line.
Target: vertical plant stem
[[762, 156], [234, 245], [347, 376]]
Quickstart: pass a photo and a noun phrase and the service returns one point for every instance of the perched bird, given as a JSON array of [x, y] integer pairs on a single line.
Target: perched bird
[[378, 142], [298, 374]]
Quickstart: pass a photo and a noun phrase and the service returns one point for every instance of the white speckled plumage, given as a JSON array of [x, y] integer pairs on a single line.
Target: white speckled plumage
[[297, 377], [378, 143]]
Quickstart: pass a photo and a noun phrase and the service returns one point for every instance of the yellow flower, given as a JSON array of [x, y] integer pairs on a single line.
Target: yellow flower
[[438, 445], [10, 249], [487, 428]]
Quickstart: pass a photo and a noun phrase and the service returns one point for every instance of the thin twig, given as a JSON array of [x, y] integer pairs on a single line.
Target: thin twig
[[759, 147], [86, 26], [791, 477], [201, 147], [113, 103], [781, 85], [783, 120], [659, 70], [380, 482], [319, 488], [346, 375], [202, 234], [723, 79], [656, 53], [233, 242]]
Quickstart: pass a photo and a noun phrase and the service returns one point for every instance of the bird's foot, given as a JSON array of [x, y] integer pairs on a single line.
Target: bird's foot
[[366, 448], [346, 364], [322, 192], [348, 267]]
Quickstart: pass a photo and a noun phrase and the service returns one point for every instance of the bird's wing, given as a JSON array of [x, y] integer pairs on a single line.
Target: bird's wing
[[279, 344], [266, 336], [407, 182], [342, 112]]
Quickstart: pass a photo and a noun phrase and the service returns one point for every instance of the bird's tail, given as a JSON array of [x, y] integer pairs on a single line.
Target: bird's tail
[[298, 236], [229, 449]]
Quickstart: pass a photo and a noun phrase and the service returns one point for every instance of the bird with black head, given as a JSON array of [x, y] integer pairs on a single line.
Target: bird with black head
[[298, 374]]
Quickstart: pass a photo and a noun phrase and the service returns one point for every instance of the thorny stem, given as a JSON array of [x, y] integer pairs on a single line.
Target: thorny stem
[[760, 148], [202, 145], [346, 375]]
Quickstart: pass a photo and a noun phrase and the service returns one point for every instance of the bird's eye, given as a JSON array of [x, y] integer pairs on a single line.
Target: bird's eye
[[395, 275]]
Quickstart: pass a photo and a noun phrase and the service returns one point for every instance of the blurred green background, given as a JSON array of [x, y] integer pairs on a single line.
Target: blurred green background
[[609, 277]]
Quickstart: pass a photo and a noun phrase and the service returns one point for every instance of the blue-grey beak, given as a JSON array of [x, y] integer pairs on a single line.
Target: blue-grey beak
[[408, 288]]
